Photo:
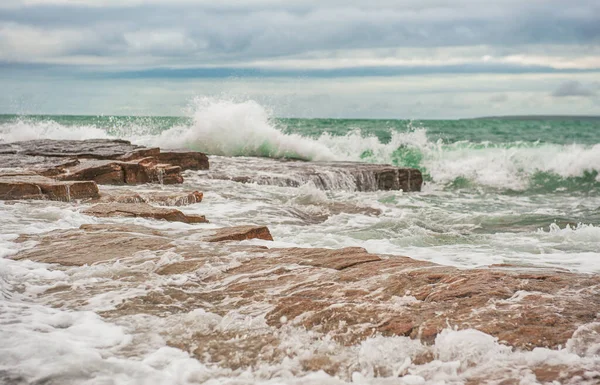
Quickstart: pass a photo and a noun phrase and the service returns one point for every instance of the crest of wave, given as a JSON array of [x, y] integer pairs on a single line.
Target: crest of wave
[[504, 165], [229, 128], [354, 146], [511, 165]]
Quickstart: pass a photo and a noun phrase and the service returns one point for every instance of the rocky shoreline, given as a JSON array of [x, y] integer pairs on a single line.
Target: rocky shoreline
[[347, 295]]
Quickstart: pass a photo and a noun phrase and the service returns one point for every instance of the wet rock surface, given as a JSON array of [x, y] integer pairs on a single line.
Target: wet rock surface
[[142, 210], [140, 171], [24, 185], [91, 148], [324, 175], [120, 162], [100, 160], [97, 243], [347, 294], [229, 296], [187, 160]]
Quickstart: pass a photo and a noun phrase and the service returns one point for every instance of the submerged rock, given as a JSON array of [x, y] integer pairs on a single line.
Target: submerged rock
[[26, 185], [97, 243], [142, 210]]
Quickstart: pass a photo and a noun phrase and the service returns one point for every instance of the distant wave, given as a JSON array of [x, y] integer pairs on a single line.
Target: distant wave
[[225, 127]]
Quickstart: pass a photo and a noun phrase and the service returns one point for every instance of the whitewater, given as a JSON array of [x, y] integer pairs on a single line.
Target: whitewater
[[523, 192]]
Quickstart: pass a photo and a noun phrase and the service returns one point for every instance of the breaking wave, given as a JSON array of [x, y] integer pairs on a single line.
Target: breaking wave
[[229, 128]]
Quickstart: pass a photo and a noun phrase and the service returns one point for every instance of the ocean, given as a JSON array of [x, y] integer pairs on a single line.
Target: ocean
[[520, 190]]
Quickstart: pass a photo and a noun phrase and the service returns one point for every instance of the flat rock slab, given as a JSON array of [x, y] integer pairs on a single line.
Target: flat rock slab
[[240, 233], [32, 186], [142, 210], [101, 160], [349, 176], [347, 294], [91, 148], [98, 243]]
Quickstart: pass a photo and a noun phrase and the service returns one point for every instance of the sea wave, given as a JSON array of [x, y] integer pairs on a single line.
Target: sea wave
[[230, 128]]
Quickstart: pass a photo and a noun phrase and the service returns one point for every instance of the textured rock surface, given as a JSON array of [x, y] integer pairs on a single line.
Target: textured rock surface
[[347, 294], [187, 160], [32, 186], [103, 161], [107, 242], [91, 148], [142, 210], [240, 233], [324, 175], [140, 171]]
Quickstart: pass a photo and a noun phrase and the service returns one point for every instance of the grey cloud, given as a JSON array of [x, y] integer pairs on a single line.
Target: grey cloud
[[498, 98], [574, 88], [213, 32]]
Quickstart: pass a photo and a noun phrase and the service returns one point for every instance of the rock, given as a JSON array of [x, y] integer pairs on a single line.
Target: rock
[[347, 295], [324, 175], [97, 243], [90, 149], [83, 247], [187, 160], [140, 171], [240, 233], [333, 259], [32, 186], [162, 198], [142, 210], [100, 160]]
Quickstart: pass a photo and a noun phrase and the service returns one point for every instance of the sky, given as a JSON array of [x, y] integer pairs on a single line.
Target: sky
[[302, 58]]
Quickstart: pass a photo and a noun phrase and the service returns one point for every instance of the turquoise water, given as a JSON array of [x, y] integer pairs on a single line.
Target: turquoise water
[[501, 131], [526, 154]]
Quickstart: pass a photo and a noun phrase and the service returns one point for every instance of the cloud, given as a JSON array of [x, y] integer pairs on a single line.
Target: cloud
[[298, 33], [500, 48], [574, 88], [498, 98]]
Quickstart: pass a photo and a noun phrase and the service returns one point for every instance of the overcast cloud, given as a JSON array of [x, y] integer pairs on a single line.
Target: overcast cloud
[[163, 39]]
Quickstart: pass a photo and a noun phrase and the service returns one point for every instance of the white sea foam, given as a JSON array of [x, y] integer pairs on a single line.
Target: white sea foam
[[27, 129], [225, 127]]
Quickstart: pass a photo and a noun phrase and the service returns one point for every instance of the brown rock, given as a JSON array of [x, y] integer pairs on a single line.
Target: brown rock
[[334, 259], [240, 233], [346, 295], [96, 243], [142, 210], [187, 160], [85, 247], [90, 149], [32, 186], [139, 171], [101, 160]]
